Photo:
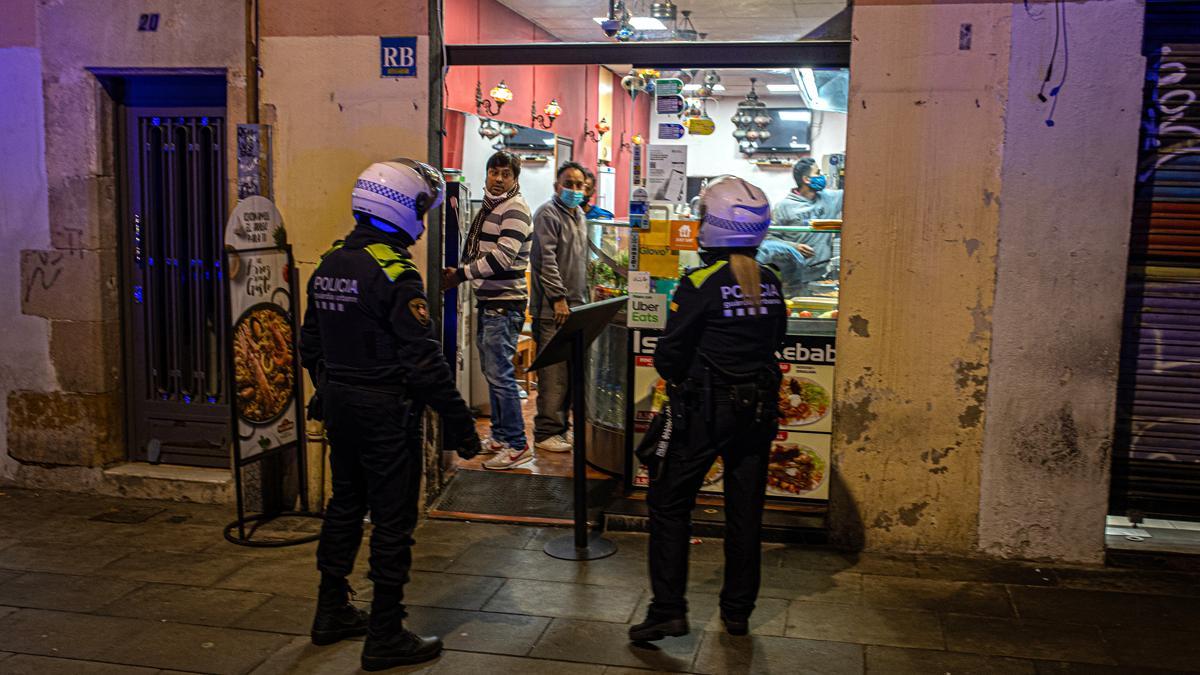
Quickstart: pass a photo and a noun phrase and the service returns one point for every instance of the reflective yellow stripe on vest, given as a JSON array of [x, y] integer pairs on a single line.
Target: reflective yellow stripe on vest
[[393, 263], [701, 275]]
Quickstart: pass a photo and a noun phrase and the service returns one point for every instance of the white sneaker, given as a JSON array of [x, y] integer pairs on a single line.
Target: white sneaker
[[490, 446], [555, 444], [509, 458]]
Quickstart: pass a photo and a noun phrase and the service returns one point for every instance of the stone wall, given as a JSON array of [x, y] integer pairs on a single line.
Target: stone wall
[[24, 217], [67, 255]]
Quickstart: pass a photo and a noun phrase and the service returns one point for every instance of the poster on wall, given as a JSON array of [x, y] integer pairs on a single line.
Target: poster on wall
[[799, 463], [806, 391], [798, 466], [648, 393], [666, 177], [265, 386]]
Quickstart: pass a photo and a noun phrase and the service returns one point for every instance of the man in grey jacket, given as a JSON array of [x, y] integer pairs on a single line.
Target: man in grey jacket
[[810, 200], [559, 282]]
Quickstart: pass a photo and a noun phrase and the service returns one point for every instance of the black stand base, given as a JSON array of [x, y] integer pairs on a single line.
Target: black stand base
[[564, 548], [236, 533]]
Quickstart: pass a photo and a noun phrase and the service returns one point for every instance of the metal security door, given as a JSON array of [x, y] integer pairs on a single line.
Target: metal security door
[[176, 336], [1156, 457]]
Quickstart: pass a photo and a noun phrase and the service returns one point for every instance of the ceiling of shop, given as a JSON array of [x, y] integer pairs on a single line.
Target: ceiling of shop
[[735, 81], [572, 20]]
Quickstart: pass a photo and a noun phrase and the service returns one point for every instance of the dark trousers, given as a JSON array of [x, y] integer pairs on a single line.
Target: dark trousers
[[743, 445], [376, 458]]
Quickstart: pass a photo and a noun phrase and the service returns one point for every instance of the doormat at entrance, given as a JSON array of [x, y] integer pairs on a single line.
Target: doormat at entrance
[[517, 495]]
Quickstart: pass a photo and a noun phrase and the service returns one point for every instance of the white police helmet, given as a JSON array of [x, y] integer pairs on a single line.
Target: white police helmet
[[399, 192], [733, 214]]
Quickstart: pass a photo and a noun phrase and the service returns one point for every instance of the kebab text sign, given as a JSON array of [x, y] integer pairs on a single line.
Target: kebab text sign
[[264, 355], [806, 393]]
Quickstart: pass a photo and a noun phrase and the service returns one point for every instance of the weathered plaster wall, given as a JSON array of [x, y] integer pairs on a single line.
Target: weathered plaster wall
[[925, 132], [333, 115], [68, 267], [1064, 230], [24, 222]]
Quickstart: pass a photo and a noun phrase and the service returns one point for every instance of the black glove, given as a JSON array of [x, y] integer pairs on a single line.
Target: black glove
[[470, 447], [316, 409]]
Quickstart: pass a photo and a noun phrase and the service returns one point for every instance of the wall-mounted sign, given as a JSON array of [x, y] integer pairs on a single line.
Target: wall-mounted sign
[[254, 223], [700, 126], [667, 175], [670, 131], [669, 105], [668, 86], [148, 23], [397, 57], [683, 235], [647, 310]]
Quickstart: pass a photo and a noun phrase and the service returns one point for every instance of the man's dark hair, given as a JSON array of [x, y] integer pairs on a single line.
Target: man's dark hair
[[587, 173], [505, 159], [567, 166], [801, 169]]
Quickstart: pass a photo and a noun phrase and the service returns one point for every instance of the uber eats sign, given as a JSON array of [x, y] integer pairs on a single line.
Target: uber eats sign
[[647, 310]]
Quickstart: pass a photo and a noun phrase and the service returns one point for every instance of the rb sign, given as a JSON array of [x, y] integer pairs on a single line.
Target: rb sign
[[397, 57]]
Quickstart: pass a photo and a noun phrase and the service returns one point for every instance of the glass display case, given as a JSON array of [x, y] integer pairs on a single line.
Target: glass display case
[[607, 364]]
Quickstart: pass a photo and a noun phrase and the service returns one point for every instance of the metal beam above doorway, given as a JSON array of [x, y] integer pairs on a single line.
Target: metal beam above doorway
[[811, 53]]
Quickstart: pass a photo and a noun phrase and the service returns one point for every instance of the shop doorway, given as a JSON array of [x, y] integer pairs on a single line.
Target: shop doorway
[[787, 101], [172, 134]]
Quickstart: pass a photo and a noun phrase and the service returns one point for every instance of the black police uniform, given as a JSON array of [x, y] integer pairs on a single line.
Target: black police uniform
[[719, 353], [368, 342]]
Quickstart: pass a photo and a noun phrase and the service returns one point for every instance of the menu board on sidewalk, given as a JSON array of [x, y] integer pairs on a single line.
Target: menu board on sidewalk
[[265, 366]]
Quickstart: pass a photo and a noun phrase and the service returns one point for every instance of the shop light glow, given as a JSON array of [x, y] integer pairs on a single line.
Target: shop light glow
[[783, 88], [638, 22], [696, 87], [795, 115], [809, 80]]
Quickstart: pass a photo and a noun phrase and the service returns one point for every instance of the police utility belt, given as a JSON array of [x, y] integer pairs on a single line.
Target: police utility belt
[[754, 393]]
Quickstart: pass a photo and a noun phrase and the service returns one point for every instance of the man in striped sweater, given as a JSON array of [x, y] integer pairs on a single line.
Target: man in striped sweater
[[495, 257]]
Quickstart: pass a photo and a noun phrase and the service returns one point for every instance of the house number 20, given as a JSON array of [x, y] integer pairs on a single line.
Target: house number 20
[[148, 23]]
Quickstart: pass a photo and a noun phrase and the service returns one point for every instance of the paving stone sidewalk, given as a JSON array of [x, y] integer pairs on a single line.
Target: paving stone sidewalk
[[80, 593]]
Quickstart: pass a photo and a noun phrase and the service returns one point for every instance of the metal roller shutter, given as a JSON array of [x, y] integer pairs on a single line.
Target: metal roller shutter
[[1156, 459]]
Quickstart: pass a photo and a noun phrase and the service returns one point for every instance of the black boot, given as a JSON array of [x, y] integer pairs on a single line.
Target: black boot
[[735, 625], [389, 644], [658, 627], [337, 618]]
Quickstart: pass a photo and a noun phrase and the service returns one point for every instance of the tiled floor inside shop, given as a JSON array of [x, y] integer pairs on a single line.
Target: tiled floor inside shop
[[101, 585]]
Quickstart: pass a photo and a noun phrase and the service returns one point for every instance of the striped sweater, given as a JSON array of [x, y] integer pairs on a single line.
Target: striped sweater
[[496, 255]]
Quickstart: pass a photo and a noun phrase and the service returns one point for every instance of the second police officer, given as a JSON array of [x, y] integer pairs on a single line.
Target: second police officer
[[368, 344], [727, 320]]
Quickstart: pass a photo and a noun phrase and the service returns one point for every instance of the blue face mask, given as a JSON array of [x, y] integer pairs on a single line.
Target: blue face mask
[[817, 183], [571, 198]]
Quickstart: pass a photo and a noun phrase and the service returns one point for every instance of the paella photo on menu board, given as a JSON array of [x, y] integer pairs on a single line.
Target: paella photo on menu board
[[262, 362]]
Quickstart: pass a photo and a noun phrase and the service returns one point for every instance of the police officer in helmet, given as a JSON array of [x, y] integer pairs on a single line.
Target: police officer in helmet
[[369, 346], [718, 356]]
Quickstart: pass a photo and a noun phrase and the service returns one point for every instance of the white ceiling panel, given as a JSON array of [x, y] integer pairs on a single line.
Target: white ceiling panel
[[721, 20]]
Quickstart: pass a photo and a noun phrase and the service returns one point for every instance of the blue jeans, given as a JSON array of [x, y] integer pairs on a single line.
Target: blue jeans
[[497, 334]]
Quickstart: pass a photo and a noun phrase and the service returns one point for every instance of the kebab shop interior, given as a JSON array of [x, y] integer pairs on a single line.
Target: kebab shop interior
[[652, 138]]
